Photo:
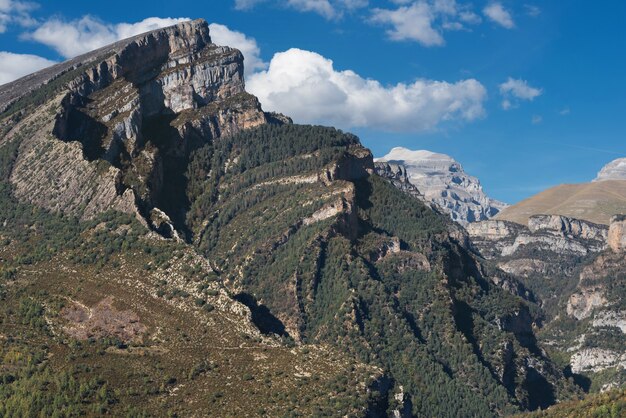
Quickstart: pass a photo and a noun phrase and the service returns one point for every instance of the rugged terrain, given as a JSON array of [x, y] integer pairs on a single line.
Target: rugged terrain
[[443, 182], [168, 247], [575, 272]]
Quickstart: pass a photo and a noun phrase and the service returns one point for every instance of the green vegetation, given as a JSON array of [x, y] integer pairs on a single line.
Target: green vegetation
[[434, 328], [611, 404]]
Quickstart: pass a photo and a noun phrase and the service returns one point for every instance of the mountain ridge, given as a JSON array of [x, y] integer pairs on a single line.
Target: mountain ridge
[[152, 177]]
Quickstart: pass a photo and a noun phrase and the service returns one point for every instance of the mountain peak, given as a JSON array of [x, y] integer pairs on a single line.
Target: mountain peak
[[615, 170], [443, 181]]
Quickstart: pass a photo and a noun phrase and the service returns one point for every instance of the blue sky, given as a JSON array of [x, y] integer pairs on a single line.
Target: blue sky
[[525, 95]]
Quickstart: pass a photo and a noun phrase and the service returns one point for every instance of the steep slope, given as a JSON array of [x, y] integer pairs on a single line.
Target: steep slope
[[595, 202], [575, 270], [337, 255], [113, 128], [442, 181], [168, 246]]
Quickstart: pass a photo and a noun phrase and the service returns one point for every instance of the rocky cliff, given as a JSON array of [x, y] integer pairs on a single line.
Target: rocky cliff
[[398, 176], [617, 233], [443, 181], [112, 129], [576, 270]]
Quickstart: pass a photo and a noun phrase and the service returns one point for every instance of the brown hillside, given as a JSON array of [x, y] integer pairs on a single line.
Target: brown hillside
[[595, 202]]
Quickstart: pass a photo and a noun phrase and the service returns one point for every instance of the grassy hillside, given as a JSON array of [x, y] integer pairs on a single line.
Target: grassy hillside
[[596, 202]]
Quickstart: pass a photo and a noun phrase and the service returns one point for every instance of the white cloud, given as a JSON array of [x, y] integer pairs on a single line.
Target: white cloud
[[517, 89], [520, 89], [222, 35], [17, 12], [532, 10], [330, 9], [536, 119], [305, 86], [413, 22], [423, 21], [15, 66], [71, 38], [321, 7], [565, 111], [246, 4], [498, 14]]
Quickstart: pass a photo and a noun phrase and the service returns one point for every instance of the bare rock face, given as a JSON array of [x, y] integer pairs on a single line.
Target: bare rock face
[[548, 233], [617, 233], [568, 227], [106, 126], [398, 176], [597, 359], [443, 181], [491, 237]]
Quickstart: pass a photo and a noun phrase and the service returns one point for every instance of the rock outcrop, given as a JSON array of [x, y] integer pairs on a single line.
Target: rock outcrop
[[397, 175], [617, 233], [114, 128], [549, 233], [443, 181]]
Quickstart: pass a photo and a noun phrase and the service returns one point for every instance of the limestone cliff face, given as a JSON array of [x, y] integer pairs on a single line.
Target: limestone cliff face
[[398, 176], [567, 263], [443, 182], [548, 233], [107, 126], [617, 234]]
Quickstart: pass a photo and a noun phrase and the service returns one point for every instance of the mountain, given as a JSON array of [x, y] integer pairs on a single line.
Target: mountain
[[595, 202], [574, 271], [442, 181], [615, 170], [169, 248]]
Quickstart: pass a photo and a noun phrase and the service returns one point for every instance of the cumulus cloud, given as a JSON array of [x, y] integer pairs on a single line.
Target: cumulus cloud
[[306, 86], [321, 7], [18, 12], [222, 35], [71, 38], [15, 66], [517, 89], [330, 9], [423, 21], [498, 14], [246, 4], [414, 22]]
